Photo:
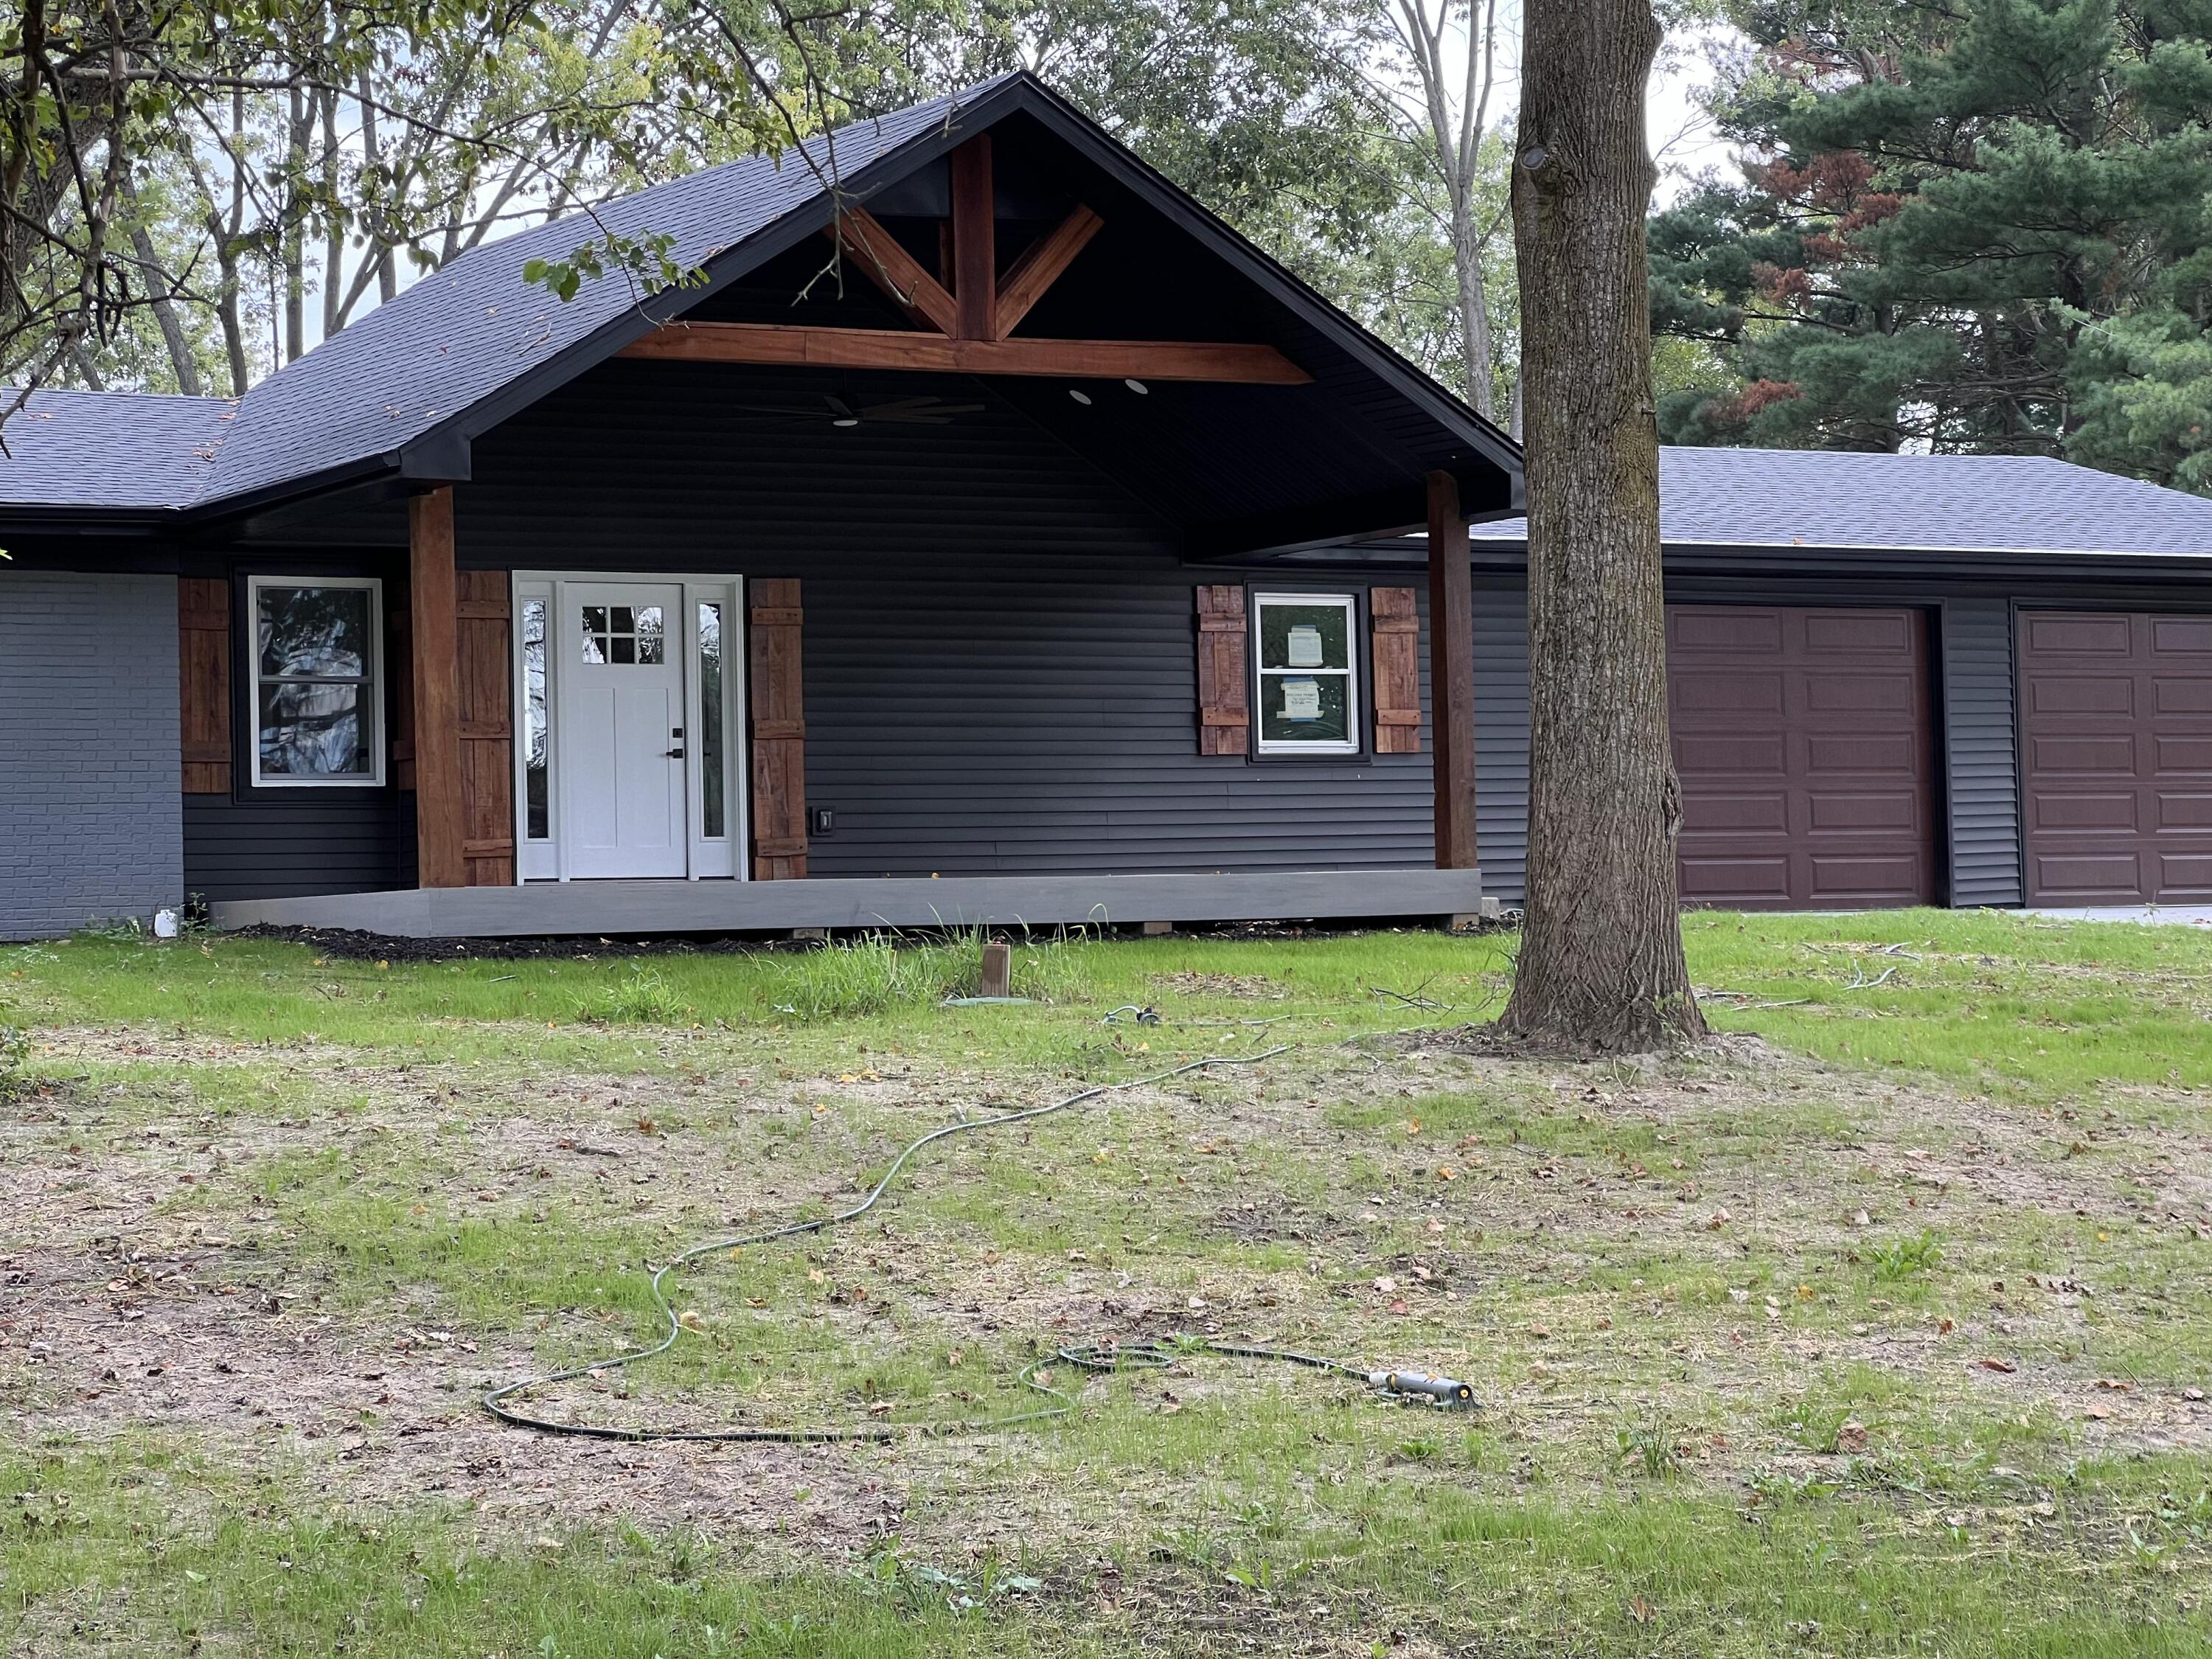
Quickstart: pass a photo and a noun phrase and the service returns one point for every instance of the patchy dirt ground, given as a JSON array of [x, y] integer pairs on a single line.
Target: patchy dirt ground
[[1708, 1243]]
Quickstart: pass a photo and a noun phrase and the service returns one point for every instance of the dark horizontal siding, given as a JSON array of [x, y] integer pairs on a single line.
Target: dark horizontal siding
[[1980, 752], [1501, 739], [286, 843]]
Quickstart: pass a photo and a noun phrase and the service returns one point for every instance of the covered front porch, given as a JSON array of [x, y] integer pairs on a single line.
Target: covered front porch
[[870, 611]]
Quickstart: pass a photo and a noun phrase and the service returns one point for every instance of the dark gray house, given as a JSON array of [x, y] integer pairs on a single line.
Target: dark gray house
[[1048, 555]]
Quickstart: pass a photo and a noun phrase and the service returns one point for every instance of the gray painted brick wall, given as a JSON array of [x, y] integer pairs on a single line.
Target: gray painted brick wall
[[91, 802]]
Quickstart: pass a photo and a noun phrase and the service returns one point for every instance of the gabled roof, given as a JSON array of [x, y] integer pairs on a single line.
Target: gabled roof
[[117, 451], [408, 386], [1826, 498]]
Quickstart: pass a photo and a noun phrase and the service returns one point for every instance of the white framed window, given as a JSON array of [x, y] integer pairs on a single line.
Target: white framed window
[[1306, 673], [318, 687]]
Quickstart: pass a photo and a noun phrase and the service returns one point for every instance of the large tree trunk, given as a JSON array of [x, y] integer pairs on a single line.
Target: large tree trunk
[[1601, 968]]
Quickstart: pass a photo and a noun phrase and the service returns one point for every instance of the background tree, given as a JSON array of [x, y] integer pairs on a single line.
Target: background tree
[[1980, 227], [1601, 967]]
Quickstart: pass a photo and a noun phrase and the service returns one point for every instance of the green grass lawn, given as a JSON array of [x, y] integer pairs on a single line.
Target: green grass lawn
[[1884, 1326]]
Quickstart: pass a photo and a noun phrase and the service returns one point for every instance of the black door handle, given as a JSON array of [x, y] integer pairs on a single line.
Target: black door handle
[[675, 753]]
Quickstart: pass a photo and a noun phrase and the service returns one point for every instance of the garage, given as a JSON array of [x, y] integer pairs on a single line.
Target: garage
[[2116, 757], [1803, 739]]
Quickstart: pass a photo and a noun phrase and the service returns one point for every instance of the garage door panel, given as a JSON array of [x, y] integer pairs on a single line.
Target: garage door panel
[[1831, 706], [2118, 786], [2112, 754], [2183, 811], [2172, 756], [1859, 633], [1878, 753], [1724, 814], [2190, 636], [2183, 875], [1726, 691], [2081, 694], [1725, 627], [1863, 880], [2173, 694], [2060, 814], [1733, 757], [1723, 880], [1861, 810], [2109, 875], [1846, 692], [2052, 634]]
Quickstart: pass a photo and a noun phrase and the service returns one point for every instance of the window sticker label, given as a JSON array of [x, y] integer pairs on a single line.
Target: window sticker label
[[1300, 698], [1304, 647]]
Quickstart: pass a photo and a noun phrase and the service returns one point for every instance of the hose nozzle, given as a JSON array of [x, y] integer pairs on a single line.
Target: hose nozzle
[[1444, 1390]]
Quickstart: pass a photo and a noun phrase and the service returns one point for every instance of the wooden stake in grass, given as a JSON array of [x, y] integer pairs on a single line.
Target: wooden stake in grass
[[1601, 967]]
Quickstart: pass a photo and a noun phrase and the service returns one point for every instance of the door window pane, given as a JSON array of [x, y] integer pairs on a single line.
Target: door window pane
[[536, 732], [711, 763], [622, 633]]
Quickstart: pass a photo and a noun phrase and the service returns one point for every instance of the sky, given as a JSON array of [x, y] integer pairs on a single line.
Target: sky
[[1682, 137]]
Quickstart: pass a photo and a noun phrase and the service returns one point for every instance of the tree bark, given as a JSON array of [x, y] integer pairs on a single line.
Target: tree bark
[[1601, 969]]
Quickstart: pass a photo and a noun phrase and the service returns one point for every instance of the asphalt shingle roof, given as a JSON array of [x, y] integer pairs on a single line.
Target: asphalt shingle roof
[[462, 334], [1933, 503], [110, 449], [435, 350]]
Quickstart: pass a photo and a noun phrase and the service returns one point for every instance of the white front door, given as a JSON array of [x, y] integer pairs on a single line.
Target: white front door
[[621, 728]]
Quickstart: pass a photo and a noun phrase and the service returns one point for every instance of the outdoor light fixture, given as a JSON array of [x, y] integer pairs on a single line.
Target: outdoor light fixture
[[1081, 397], [1138, 386], [846, 420]]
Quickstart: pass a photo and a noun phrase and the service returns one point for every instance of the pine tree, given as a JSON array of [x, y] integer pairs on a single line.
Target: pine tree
[[1982, 227]]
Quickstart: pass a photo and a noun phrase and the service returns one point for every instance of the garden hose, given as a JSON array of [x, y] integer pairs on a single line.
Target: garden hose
[[1405, 1385]]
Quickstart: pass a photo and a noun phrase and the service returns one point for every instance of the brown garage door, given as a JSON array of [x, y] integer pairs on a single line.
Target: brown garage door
[[2116, 762], [1802, 739]]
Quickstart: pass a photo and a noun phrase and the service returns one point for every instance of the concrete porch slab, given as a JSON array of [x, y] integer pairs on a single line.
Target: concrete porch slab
[[739, 907]]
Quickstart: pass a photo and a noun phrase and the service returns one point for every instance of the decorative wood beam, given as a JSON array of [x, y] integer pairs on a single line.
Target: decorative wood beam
[[441, 821], [1040, 267], [893, 269], [975, 245], [793, 345], [1451, 674]]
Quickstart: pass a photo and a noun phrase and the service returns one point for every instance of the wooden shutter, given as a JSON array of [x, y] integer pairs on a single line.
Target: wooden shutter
[[483, 647], [203, 684], [1224, 697], [777, 709], [1396, 624]]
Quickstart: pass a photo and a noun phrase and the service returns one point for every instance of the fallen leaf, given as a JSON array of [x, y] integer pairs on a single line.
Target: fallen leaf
[[1851, 1436], [1990, 1363]]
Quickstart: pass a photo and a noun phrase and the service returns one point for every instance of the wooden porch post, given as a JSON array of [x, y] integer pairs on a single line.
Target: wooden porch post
[[440, 824], [1451, 674], [975, 241]]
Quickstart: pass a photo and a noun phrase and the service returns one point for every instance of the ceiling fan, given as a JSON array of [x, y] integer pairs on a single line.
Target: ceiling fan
[[835, 412]]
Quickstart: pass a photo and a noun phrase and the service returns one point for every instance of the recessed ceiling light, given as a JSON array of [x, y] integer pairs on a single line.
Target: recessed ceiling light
[[1083, 398], [1137, 386], [846, 420]]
